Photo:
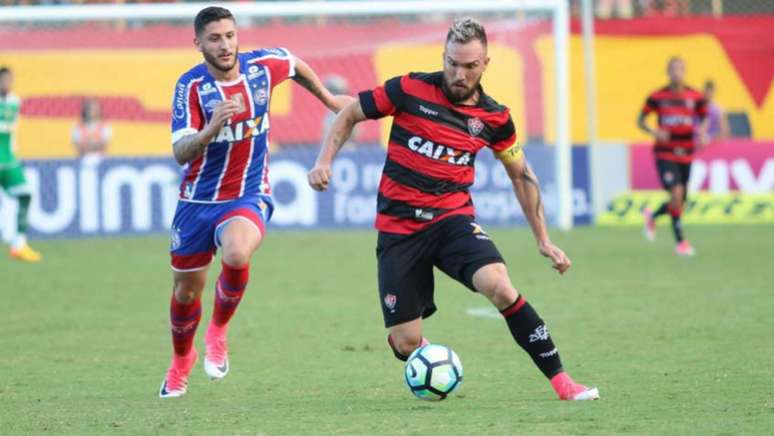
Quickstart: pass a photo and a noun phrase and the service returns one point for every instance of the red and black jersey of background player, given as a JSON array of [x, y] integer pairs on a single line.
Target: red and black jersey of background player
[[432, 149], [678, 113]]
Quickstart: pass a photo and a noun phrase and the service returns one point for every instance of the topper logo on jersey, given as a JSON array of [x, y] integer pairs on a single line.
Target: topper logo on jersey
[[439, 152], [243, 130]]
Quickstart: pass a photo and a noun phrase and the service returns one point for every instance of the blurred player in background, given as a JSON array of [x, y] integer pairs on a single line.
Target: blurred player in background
[[220, 129], [91, 134], [425, 215], [12, 178], [717, 124], [675, 141]]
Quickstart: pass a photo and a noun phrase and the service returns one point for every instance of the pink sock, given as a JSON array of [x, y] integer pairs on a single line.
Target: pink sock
[[184, 318], [228, 292]]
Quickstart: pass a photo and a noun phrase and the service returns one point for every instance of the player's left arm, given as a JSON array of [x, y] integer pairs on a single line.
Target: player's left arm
[[306, 77], [703, 127], [527, 189]]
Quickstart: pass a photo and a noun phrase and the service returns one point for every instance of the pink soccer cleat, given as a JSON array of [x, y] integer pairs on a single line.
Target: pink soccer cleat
[[649, 230], [216, 358], [568, 390], [176, 381], [685, 249]]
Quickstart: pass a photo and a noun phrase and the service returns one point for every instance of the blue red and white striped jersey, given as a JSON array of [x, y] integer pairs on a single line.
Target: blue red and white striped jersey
[[236, 163]]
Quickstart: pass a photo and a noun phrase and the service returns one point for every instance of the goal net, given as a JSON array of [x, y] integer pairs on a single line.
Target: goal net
[[125, 59]]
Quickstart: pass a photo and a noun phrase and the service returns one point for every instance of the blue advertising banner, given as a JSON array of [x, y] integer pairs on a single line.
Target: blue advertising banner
[[114, 196]]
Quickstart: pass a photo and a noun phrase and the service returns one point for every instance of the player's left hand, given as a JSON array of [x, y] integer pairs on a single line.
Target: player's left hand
[[704, 140], [340, 101], [319, 177], [560, 261]]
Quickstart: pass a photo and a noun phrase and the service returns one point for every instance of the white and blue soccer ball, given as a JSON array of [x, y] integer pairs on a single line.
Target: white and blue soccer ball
[[433, 372]]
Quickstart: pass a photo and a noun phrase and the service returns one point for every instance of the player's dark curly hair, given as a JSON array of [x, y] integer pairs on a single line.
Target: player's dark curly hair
[[4, 70], [208, 15]]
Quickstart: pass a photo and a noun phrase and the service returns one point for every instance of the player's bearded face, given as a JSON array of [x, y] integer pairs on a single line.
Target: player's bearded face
[[219, 44], [463, 67]]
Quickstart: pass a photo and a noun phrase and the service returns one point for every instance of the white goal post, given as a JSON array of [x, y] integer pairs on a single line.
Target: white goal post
[[558, 9]]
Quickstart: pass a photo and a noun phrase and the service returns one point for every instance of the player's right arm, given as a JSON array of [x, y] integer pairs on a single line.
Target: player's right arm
[[660, 135], [379, 102], [191, 146], [319, 176], [190, 131]]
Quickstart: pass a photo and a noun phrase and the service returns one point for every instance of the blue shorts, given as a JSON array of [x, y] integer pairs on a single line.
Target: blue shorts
[[197, 228]]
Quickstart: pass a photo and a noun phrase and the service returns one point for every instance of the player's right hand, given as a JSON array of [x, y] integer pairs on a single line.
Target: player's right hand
[[661, 135], [222, 112], [319, 178]]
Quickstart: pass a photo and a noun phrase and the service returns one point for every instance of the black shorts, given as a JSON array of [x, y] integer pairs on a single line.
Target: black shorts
[[456, 245], [673, 173]]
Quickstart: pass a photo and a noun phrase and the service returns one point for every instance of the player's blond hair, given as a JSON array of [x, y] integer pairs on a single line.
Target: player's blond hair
[[466, 29]]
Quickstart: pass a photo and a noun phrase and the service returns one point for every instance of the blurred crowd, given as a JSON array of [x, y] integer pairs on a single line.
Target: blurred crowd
[[603, 8]]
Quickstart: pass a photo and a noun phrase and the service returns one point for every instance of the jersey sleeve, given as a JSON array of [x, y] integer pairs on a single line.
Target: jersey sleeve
[[187, 116], [504, 138], [280, 62], [383, 100], [651, 105]]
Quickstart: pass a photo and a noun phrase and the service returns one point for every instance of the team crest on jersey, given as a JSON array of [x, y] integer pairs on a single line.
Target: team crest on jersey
[[390, 300], [475, 126], [261, 96]]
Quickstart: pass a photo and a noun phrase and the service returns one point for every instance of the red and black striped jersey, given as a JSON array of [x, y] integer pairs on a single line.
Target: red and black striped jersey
[[678, 112], [432, 149]]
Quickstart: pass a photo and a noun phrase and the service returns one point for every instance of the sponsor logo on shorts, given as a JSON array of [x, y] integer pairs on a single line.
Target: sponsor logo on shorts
[[669, 176], [475, 126], [540, 334], [174, 240], [390, 300]]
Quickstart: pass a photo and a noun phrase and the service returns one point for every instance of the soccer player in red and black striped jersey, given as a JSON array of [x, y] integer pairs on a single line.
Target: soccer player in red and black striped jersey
[[425, 214], [678, 107]]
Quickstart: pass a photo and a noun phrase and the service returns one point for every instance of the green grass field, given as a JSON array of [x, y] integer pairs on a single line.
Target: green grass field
[[676, 346]]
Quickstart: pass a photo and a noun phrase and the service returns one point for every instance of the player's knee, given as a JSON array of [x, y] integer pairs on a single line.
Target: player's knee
[[498, 288], [186, 291], [237, 254]]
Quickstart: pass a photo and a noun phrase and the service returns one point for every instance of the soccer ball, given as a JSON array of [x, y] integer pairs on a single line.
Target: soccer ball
[[433, 372]]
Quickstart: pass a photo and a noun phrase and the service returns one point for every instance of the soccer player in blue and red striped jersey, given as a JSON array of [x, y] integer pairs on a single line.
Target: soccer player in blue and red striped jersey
[[675, 142], [220, 132], [425, 214]]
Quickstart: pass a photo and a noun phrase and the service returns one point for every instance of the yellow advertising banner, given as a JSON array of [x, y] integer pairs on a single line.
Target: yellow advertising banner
[[701, 208]]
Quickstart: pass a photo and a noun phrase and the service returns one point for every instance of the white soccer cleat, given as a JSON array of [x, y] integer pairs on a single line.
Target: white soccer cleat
[[588, 394], [685, 249], [216, 359], [215, 371], [164, 392]]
